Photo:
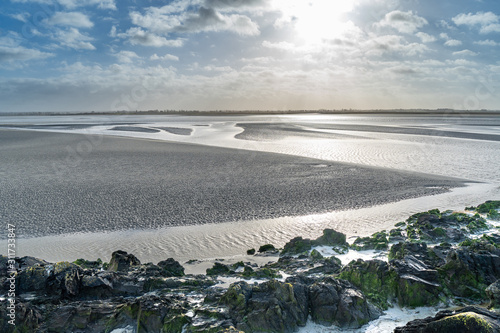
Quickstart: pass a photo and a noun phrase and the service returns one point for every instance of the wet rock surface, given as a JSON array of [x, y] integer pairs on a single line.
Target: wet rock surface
[[306, 282]]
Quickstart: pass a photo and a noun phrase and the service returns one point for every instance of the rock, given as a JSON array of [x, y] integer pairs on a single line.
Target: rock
[[87, 264], [417, 284], [493, 293], [374, 279], [377, 241], [297, 245], [171, 268], [467, 274], [267, 248], [327, 266], [218, 269], [470, 319], [121, 261], [338, 302], [33, 278], [315, 255], [269, 307], [65, 280], [331, 237], [251, 252]]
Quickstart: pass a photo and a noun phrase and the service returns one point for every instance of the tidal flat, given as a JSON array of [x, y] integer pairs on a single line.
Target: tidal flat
[[57, 183]]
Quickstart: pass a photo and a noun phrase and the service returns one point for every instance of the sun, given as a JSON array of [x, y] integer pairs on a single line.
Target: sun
[[315, 20]]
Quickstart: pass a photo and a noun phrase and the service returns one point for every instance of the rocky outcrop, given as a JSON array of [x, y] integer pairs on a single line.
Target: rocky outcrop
[[470, 319], [493, 293], [337, 302], [121, 261]]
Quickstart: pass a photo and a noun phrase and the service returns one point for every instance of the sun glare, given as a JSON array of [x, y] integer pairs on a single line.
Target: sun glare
[[315, 20]]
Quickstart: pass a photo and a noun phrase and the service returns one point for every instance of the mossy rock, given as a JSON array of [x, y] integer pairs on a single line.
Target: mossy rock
[[487, 206], [218, 269], [175, 324], [377, 241], [331, 237], [297, 245], [468, 322], [266, 248], [373, 278], [87, 264], [251, 252], [315, 255]]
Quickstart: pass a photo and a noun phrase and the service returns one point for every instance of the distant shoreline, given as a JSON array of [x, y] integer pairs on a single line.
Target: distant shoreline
[[438, 112]]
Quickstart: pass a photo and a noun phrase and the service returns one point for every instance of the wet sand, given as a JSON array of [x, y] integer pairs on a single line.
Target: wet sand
[[52, 183], [269, 131]]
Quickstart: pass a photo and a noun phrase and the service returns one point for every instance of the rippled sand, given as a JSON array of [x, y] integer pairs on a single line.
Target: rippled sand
[[55, 183]]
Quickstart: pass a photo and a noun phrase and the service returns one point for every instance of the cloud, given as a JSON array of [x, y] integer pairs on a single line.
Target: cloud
[[404, 22], [465, 53], [126, 57], [71, 19], [165, 57], [380, 45], [487, 22], [71, 4], [235, 3], [425, 38], [453, 42], [487, 42], [73, 39], [284, 46], [169, 19], [23, 17], [137, 36], [19, 53]]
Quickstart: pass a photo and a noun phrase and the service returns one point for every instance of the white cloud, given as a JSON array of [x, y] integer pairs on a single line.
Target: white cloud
[[71, 4], [19, 53], [487, 22], [405, 22], [72, 38], [487, 42], [393, 44], [465, 53], [71, 19], [284, 46], [137, 36], [23, 17], [425, 38], [169, 19], [167, 56], [236, 3], [126, 57], [453, 42]]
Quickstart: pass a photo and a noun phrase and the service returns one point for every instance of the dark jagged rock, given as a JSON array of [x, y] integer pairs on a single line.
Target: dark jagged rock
[[377, 241], [171, 267], [87, 264], [470, 319], [121, 261], [218, 269], [251, 252], [297, 245], [417, 284], [467, 273], [338, 302], [267, 248], [493, 293], [65, 280], [331, 237], [374, 278], [269, 307]]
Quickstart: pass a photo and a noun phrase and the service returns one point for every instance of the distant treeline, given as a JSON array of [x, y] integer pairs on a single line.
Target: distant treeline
[[253, 112]]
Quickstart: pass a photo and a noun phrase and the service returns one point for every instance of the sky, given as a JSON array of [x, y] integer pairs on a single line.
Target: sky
[[101, 55]]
